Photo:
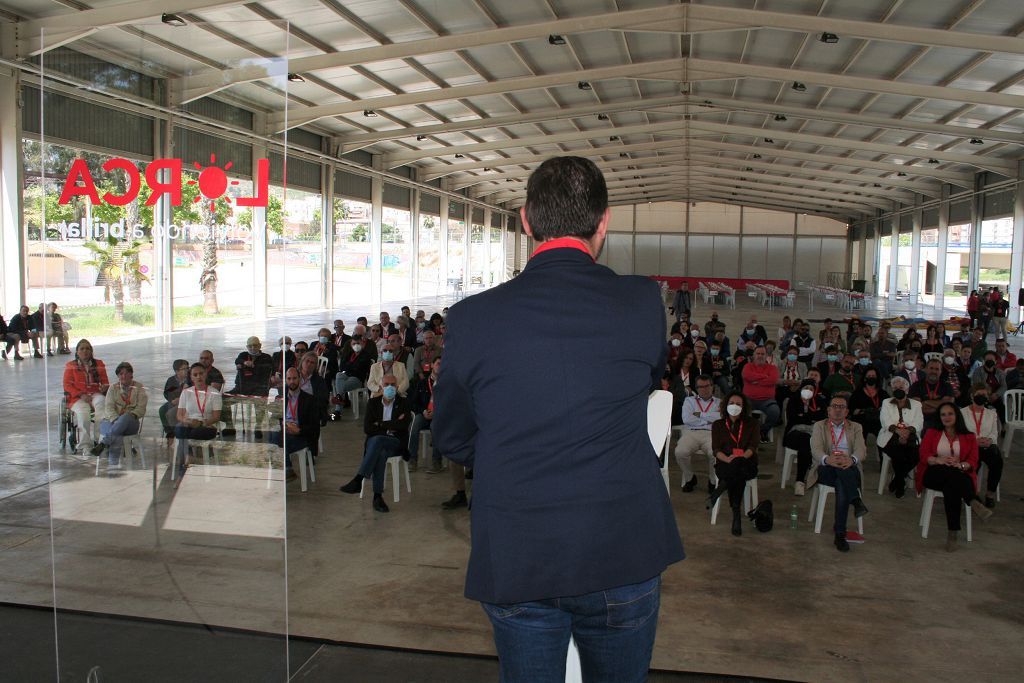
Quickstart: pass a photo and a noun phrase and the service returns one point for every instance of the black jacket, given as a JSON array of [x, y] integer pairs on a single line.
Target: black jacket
[[254, 381], [397, 426], [309, 420], [357, 365]]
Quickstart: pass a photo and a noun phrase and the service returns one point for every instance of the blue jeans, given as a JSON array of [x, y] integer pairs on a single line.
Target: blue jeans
[[344, 384], [113, 434], [613, 629], [771, 411], [375, 459], [847, 485]]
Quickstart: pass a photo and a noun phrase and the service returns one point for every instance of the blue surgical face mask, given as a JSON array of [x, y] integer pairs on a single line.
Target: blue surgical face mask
[[325, 340], [390, 392], [387, 355], [832, 358], [714, 352], [791, 358], [864, 361]]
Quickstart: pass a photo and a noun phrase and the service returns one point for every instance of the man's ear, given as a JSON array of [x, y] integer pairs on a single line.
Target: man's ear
[[526, 224], [602, 225]]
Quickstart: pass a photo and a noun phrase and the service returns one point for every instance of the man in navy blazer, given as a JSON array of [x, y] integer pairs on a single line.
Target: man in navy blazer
[[571, 522]]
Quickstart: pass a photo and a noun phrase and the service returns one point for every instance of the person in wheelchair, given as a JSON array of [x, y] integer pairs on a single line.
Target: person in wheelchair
[[123, 410], [85, 385], [198, 412]]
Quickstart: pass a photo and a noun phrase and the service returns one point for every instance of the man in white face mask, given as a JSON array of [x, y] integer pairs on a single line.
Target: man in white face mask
[[388, 365], [353, 369]]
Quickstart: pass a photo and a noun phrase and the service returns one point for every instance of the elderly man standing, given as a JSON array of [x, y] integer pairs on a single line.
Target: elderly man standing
[[122, 415], [759, 380], [837, 444], [681, 301], [699, 413]]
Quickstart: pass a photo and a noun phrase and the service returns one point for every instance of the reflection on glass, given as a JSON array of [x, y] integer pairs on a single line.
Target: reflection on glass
[[396, 248], [351, 252], [429, 254], [294, 235]]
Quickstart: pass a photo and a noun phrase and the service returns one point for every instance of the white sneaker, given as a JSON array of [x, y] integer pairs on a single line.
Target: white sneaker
[[798, 489]]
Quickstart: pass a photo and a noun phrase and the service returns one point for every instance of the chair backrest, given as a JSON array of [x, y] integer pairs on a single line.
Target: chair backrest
[[659, 420], [321, 366], [1013, 405], [932, 355]]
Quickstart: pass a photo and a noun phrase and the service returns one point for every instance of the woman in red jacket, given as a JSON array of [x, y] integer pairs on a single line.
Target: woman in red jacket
[[972, 307], [949, 463]]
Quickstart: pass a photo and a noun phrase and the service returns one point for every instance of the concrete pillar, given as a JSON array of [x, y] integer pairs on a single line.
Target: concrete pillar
[[973, 272], [327, 234], [376, 220], [163, 255], [442, 249], [915, 248], [1017, 252], [259, 237], [940, 266], [894, 257], [12, 238], [414, 218]]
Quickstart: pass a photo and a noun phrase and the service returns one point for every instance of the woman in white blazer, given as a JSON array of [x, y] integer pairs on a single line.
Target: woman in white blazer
[[983, 421], [902, 424]]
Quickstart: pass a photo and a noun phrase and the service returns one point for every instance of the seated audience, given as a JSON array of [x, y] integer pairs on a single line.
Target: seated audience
[[388, 365], [843, 379], [955, 377], [353, 369], [759, 380], [214, 377], [754, 332], [734, 440], [324, 347], [56, 331], [425, 355], [300, 424], [932, 343], [837, 446], [866, 402], [173, 387], [806, 344], [791, 375], [983, 422], [682, 383], [339, 338], [802, 412], [714, 363], [994, 378], [199, 409], [949, 463], [1015, 377], [931, 391], [883, 352], [912, 369], [1004, 359], [901, 423], [387, 434], [282, 359], [85, 385], [252, 379], [313, 384], [20, 330], [698, 413], [713, 325], [423, 407], [123, 410], [830, 365]]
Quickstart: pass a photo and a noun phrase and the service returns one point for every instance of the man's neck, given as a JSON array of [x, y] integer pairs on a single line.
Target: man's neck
[[838, 423]]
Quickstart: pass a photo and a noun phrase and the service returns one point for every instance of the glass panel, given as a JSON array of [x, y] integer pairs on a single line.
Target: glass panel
[[456, 248], [996, 245], [647, 259], [497, 269], [727, 249], [958, 262], [351, 275], [754, 251], [701, 257], [163, 544], [396, 260], [620, 253], [429, 256], [295, 231], [929, 265], [478, 256], [673, 255]]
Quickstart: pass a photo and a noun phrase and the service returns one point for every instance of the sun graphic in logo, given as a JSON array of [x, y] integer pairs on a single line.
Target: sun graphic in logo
[[213, 182]]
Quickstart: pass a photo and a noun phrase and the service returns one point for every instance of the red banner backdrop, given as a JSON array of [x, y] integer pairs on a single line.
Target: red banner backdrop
[[734, 282]]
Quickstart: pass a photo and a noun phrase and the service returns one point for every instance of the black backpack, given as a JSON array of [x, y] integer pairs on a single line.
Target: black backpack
[[762, 516]]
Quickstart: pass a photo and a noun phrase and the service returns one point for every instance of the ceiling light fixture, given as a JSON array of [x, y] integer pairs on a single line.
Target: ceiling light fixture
[[781, 117], [623, 155], [757, 156], [584, 85], [977, 141], [173, 20], [556, 39], [296, 78], [486, 170], [460, 156], [749, 168], [878, 184], [602, 117], [769, 141], [421, 138], [799, 87], [613, 138], [369, 113], [933, 161], [829, 38], [901, 174]]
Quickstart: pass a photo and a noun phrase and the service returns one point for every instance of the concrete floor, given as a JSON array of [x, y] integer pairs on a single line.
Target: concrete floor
[[236, 550]]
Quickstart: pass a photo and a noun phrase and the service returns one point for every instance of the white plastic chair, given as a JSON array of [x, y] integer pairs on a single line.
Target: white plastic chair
[[355, 397], [883, 476], [926, 514], [932, 355], [130, 443], [1013, 411], [659, 428], [307, 471], [205, 447], [749, 499], [393, 463], [321, 366], [819, 497], [788, 459]]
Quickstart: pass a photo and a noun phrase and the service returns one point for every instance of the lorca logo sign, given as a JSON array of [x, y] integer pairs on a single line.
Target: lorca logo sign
[[164, 178]]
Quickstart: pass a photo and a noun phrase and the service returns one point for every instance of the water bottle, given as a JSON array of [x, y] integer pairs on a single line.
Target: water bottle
[[792, 517]]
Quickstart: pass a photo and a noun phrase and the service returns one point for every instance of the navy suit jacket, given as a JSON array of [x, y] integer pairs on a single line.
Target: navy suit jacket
[[567, 494]]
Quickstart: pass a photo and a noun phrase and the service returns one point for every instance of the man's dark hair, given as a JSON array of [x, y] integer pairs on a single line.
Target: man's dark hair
[[124, 365], [178, 364], [565, 197]]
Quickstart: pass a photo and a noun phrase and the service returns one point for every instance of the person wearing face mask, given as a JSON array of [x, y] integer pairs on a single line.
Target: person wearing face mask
[[931, 391], [830, 365], [388, 365], [949, 463], [863, 361], [424, 356], [911, 368], [388, 416], [734, 440], [713, 325], [908, 338], [717, 365], [282, 359], [324, 347], [698, 413], [866, 402], [983, 421], [791, 375], [837, 445], [843, 380], [674, 352], [353, 369], [955, 377], [252, 379], [172, 392], [901, 423], [801, 414], [769, 351], [723, 341], [754, 332], [994, 378]]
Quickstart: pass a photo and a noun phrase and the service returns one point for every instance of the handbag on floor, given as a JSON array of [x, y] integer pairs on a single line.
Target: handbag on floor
[[762, 516]]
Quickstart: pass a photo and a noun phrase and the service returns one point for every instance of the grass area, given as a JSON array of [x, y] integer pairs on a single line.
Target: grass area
[[98, 321]]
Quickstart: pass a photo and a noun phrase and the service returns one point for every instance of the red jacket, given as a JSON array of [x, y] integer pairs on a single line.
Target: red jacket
[[759, 381], [972, 303], [79, 381], [930, 446]]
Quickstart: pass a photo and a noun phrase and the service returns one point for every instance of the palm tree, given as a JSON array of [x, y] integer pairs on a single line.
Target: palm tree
[[112, 260], [208, 278]]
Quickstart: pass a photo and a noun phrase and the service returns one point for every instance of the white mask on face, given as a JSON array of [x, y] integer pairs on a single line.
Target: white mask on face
[[948, 360], [807, 394], [734, 409], [694, 333], [677, 343], [357, 348], [909, 364]]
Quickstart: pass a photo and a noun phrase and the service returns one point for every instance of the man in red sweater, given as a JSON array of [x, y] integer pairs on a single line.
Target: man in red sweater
[[759, 381]]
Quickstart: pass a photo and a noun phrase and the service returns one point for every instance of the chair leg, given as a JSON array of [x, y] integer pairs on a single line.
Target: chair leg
[[310, 467], [970, 526], [926, 513], [819, 514], [884, 474], [396, 475], [408, 481]]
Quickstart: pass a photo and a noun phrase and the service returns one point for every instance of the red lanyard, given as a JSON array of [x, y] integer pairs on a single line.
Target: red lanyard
[[978, 420], [562, 243], [736, 437], [835, 441], [293, 408], [201, 406], [703, 410], [952, 450]]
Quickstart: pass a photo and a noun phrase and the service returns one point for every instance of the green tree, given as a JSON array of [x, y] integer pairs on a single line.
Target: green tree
[[360, 233], [275, 216], [114, 259]]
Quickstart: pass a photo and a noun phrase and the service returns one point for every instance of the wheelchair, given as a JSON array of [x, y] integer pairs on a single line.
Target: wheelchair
[[67, 426]]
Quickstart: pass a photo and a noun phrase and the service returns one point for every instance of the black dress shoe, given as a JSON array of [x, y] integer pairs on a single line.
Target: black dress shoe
[[690, 485], [714, 496], [229, 432], [711, 487], [859, 508], [456, 501], [258, 434], [841, 544], [354, 486], [37, 355], [378, 503], [990, 502], [737, 523]]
